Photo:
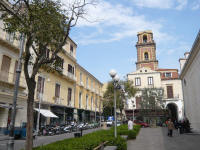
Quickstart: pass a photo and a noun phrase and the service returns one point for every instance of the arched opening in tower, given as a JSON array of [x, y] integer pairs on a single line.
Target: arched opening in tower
[[173, 111], [144, 38], [146, 56]]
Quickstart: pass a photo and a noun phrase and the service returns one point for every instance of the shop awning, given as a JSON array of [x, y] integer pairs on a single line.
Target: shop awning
[[46, 113]]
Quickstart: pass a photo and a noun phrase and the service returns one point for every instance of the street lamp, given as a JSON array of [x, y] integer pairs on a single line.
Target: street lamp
[[10, 144], [115, 79]]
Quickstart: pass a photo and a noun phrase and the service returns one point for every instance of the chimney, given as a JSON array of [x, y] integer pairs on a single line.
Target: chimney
[[186, 54], [183, 60]]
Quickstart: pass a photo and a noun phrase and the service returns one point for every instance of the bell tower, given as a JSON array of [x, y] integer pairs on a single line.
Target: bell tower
[[146, 51]]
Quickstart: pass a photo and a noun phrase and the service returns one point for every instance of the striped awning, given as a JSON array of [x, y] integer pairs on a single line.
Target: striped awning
[[46, 113]]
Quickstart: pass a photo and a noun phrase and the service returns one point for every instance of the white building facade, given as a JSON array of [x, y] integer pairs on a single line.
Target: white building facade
[[148, 75], [190, 76]]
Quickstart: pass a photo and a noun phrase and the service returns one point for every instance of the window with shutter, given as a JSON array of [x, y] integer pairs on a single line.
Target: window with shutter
[[80, 99], [69, 98], [86, 101], [40, 86], [71, 49], [5, 67], [91, 103], [137, 81], [14, 76], [57, 90], [170, 92], [70, 69], [150, 80]]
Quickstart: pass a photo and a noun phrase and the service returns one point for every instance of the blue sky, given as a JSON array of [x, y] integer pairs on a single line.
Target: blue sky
[[108, 40]]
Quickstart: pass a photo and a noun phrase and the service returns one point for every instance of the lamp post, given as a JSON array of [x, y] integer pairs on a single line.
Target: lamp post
[[133, 109], [115, 79], [10, 143]]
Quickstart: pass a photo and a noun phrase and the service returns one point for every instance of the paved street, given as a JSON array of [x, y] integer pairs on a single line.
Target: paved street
[[157, 139], [42, 140]]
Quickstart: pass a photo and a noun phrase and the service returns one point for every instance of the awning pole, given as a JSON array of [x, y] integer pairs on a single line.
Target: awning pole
[[38, 117]]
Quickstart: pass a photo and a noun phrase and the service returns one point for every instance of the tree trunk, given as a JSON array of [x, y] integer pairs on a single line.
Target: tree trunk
[[30, 102]]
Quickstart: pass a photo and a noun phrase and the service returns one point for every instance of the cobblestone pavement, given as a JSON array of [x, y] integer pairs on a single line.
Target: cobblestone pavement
[[157, 139], [42, 140]]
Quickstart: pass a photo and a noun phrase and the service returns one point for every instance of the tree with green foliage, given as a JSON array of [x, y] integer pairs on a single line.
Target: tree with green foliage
[[126, 91], [151, 100], [45, 25]]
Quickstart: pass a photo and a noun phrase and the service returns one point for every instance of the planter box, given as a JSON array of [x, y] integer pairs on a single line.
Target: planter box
[[77, 134]]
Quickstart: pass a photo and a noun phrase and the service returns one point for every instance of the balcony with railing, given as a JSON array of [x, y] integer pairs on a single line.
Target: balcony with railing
[[69, 75], [87, 87], [101, 94], [172, 97], [58, 100], [9, 79], [98, 92], [41, 97], [69, 103], [8, 40], [93, 90]]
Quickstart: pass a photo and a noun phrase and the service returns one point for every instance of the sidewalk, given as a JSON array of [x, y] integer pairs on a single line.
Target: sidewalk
[[42, 140], [157, 139], [3, 137]]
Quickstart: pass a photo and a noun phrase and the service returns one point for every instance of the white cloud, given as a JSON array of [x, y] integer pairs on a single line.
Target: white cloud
[[181, 4], [161, 4], [195, 5], [115, 22]]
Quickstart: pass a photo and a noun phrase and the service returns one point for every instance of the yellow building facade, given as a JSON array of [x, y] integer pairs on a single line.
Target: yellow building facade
[[9, 51], [88, 95], [71, 92]]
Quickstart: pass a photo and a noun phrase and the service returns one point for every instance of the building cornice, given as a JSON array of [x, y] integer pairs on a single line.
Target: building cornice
[[148, 61], [139, 73], [170, 79], [182, 59], [145, 44], [146, 31]]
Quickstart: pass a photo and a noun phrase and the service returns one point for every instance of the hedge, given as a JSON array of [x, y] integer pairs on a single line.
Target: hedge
[[92, 140]]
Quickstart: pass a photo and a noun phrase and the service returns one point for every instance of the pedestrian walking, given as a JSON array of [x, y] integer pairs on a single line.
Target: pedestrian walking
[[180, 126], [130, 124], [170, 126]]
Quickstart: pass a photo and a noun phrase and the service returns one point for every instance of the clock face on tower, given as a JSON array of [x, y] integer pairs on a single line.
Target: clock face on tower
[[146, 51]]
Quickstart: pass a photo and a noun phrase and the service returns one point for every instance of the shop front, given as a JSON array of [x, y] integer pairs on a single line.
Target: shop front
[[92, 116], [81, 115], [65, 115]]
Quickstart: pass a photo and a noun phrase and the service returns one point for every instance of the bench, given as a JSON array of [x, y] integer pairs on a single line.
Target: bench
[[101, 146]]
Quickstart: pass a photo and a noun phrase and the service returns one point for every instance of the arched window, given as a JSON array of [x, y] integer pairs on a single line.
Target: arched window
[[144, 38], [146, 56]]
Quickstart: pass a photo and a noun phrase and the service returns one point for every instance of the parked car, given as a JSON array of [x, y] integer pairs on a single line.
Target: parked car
[[109, 123], [143, 124]]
